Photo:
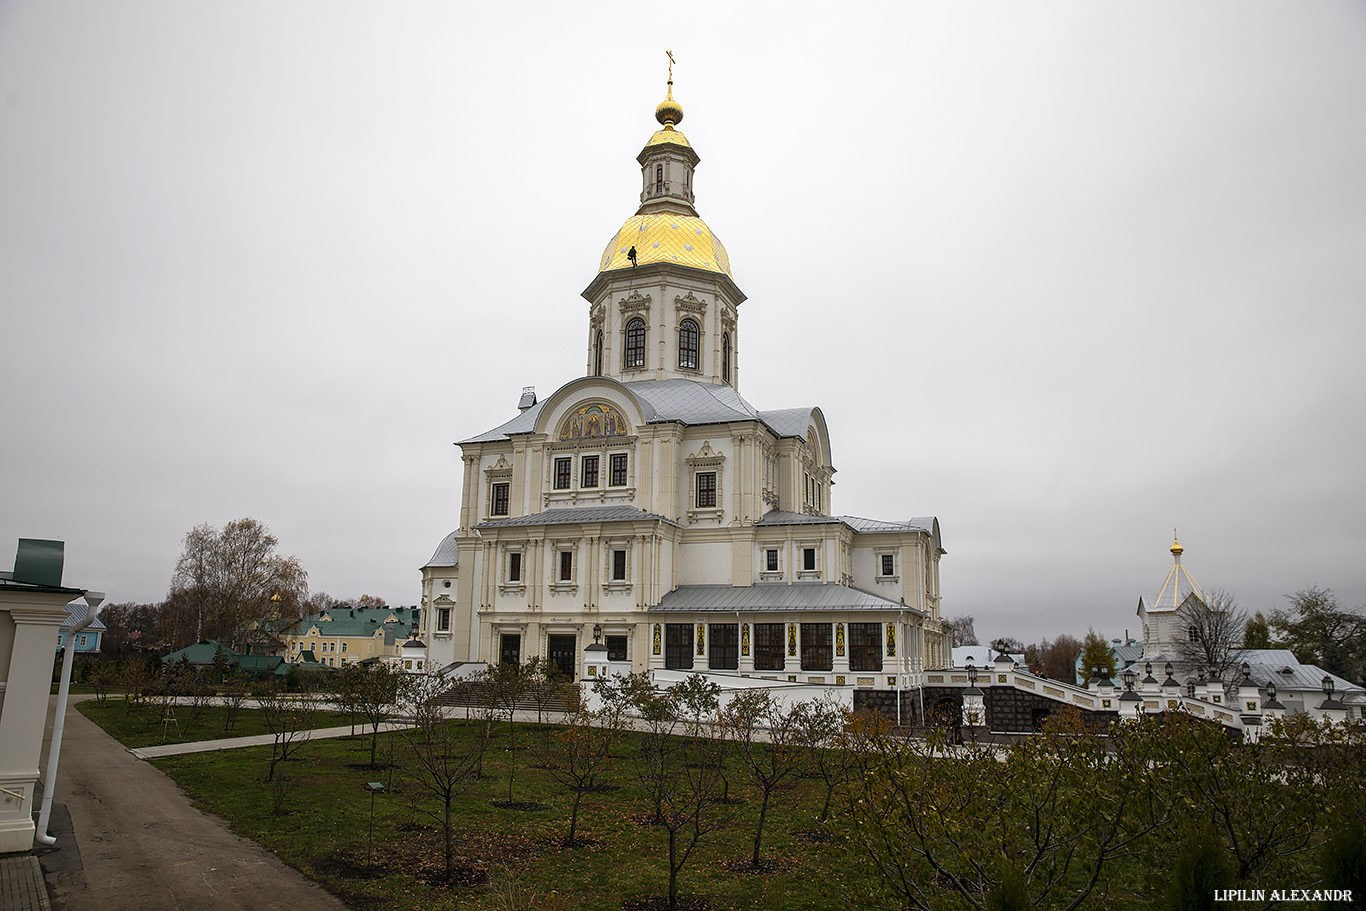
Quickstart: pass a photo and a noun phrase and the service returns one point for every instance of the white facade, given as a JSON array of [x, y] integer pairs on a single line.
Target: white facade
[[32, 609], [649, 501]]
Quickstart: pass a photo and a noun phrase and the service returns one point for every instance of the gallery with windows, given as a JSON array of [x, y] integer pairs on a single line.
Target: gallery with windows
[[648, 508]]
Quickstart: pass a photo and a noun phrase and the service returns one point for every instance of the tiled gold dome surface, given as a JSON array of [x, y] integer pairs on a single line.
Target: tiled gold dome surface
[[666, 238]]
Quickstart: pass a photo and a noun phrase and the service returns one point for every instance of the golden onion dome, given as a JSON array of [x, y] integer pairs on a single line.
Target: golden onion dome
[[666, 238], [1177, 549], [669, 111]]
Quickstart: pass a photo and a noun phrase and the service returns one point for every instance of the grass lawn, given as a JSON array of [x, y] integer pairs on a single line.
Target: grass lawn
[[143, 726], [510, 858]]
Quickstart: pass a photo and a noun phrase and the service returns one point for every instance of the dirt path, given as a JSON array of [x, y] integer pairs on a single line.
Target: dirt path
[[143, 847]]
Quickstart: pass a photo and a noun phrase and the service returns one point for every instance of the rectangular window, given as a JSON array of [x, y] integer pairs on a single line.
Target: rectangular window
[[865, 646], [772, 561], [499, 506], [724, 650], [808, 558], [618, 566], [588, 475], [564, 473], [818, 652], [618, 468], [443, 620], [888, 565], [616, 648], [515, 566], [678, 645], [768, 646], [706, 490], [566, 566]]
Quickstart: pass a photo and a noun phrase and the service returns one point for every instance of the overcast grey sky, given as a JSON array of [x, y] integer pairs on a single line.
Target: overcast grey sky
[[1065, 275]]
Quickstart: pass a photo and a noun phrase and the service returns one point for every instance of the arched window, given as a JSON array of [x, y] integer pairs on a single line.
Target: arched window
[[725, 357], [597, 355], [659, 178], [635, 343], [687, 345]]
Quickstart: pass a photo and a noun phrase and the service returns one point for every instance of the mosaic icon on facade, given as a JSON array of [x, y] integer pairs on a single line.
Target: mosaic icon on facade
[[592, 421]]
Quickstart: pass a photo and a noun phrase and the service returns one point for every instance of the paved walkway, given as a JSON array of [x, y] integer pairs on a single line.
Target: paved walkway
[[21, 884], [256, 740], [139, 845]]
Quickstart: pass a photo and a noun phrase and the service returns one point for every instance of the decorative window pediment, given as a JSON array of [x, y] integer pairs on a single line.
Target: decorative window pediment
[[498, 470], [690, 304], [635, 302], [705, 497]]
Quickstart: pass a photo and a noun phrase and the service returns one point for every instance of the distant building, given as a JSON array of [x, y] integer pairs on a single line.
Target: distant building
[[89, 639], [1161, 614], [1279, 677], [207, 654], [343, 636]]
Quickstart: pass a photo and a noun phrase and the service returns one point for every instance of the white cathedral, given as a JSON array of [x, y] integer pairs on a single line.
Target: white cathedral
[[648, 509]]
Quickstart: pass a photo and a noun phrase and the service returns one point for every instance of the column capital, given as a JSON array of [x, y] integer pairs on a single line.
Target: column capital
[[37, 616]]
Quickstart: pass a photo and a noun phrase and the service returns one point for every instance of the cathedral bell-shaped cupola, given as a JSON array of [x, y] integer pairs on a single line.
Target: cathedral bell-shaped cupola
[[664, 305]]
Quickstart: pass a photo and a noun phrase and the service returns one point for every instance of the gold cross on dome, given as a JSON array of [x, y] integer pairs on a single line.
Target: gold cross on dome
[[671, 65]]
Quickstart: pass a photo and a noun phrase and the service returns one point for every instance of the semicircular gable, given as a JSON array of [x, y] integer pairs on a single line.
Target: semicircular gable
[[595, 419], [818, 439], [590, 408]]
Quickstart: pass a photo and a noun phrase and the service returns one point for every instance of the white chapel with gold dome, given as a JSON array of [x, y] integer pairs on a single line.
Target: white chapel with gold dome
[[648, 509]]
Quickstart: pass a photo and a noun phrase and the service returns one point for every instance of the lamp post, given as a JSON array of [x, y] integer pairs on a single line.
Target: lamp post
[[1271, 708], [374, 787], [1130, 706], [1331, 708], [974, 708]]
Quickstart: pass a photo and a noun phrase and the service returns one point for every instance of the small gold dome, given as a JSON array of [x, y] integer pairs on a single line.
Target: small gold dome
[[1177, 549], [669, 111]]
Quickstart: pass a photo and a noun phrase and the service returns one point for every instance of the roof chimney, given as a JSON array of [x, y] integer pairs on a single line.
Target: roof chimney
[[38, 562], [528, 398]]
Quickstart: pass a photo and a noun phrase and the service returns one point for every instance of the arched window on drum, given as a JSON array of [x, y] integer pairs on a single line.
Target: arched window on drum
[[688, 345], [635, 343], [725, 357]]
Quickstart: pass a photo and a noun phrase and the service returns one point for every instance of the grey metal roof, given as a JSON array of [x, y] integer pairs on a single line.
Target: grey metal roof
[[787, 422], [1266, 664], [775, 596], [686, 401], [691, 402], [857, 523], [1127, 653], [523, 423], [77, 611], [924, 524], [447, 553], [575, 516], [783, 517]]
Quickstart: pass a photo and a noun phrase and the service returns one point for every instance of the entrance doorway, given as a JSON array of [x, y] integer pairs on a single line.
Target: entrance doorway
[[510, 649], [564, 653]]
